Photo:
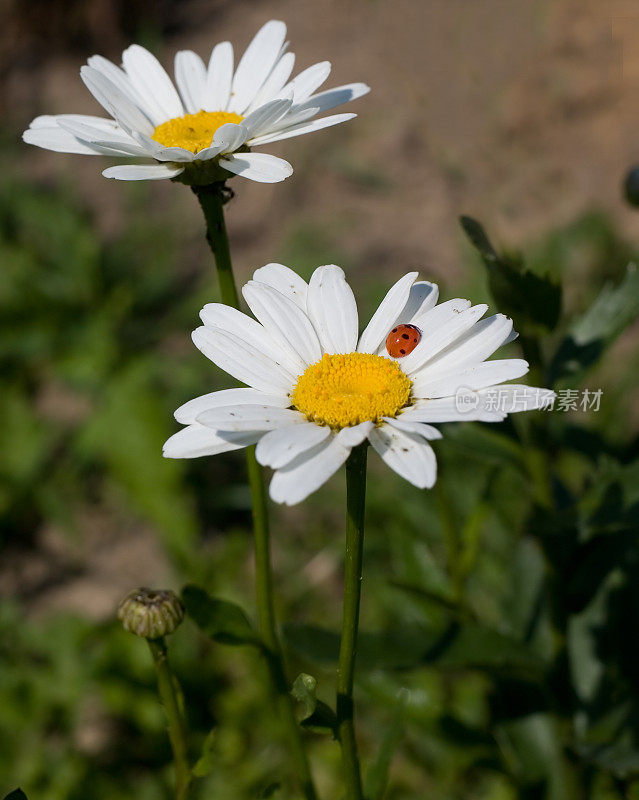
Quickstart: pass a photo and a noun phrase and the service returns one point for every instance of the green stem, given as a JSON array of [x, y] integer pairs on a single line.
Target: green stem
[[212, 199], [353, 557], [169, 697], [268, 626]]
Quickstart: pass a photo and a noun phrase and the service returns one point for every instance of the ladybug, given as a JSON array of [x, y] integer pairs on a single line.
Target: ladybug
[[402, 340]]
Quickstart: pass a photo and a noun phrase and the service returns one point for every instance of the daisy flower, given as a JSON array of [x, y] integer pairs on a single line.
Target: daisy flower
[[316, 389], [204, 129]]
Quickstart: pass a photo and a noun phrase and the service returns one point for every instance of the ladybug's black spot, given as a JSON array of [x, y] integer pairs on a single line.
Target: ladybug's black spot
[[402, 351], [394, 330], [405, 336]]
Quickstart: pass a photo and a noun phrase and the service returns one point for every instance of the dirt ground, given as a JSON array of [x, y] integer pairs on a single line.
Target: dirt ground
[[523, 113]]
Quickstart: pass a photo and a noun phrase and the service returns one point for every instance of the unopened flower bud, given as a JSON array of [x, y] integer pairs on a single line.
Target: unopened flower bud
[[151, 613]]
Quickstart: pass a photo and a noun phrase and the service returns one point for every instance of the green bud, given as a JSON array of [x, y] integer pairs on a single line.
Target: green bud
[[151, 613]]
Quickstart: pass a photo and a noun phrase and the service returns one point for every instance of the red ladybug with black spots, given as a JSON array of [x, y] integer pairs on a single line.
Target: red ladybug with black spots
[[402, 340]]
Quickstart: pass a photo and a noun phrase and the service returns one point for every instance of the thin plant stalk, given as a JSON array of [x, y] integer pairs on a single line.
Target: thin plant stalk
[[353, 558], [212, 199], [170, 697]]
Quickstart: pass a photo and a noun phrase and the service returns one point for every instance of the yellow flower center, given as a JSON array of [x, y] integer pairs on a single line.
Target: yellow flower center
[[343, 390], [193, 132]]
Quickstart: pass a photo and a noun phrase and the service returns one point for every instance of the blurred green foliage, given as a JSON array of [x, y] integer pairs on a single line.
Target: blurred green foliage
[[498, 658]]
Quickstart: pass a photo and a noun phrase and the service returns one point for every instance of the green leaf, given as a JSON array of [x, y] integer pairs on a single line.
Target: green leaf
[[460, 646], [204, 765], [615, 308], [222, 620], [474, 646], [445, 603], [17, 794], [304, 688], [316, 715], [533, 301]]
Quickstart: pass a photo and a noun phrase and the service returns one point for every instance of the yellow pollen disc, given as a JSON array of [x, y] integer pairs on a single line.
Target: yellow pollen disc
[[343, 390], [193, 132]]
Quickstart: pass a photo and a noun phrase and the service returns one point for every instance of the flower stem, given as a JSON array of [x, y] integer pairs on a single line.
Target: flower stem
[[170, 697], [212, 199], [353, 556]]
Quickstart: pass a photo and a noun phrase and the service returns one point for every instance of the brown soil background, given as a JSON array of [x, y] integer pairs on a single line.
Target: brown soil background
[[523, 113]]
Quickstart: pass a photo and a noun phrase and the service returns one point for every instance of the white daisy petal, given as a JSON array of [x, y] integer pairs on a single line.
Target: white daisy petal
[[513, 397], [355, 434], [115, 139], [116, 148], [143, 172], [308, 471], [478, 376], [229, 137], [149, 77], [275, 82], [325, 101], [433, 319], [107, 126], [188, 412], [208, 153], [190, 77], [306, 82], [120, 79], [162, 153], [197, 440], [256, 64], [281, 445], [418, 428], [285, 321], [125, 111], [436, 340], [263, 117], [407, 454], [231, 320], [217, 88], [243, 361], [249, 417], [291, 119], [453, 409], [259, 167], [301, 129], [510, 338], [382, 320], [59, 141], [492, 404], [285, 281], [422, 297], [332, 310], [479, 343]]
